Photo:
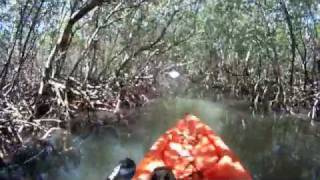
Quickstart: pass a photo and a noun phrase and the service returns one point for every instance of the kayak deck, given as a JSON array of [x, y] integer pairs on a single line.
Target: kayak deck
[[192, 151]]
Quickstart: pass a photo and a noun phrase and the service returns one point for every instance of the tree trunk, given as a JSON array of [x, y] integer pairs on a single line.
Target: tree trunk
[[303, 57], [293, 39], [65, 39]]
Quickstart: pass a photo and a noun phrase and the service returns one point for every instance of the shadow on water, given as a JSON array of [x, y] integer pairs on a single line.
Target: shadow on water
[[271, 147]]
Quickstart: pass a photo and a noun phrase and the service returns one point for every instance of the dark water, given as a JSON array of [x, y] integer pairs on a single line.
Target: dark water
[[271, 147]]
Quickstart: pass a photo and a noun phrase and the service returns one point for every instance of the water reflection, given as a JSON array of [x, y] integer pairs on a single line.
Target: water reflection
[[270, 147]]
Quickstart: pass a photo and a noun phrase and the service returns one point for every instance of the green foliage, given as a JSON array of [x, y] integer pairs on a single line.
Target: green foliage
[[228, 37]]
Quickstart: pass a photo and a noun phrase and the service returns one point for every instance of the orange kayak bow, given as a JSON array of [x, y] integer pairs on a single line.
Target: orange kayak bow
[[193, 152]]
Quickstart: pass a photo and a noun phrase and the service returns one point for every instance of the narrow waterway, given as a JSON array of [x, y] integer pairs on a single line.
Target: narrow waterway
[[271, 147]]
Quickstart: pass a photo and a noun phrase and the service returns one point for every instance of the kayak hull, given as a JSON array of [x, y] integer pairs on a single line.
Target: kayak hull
[[192, 151]]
